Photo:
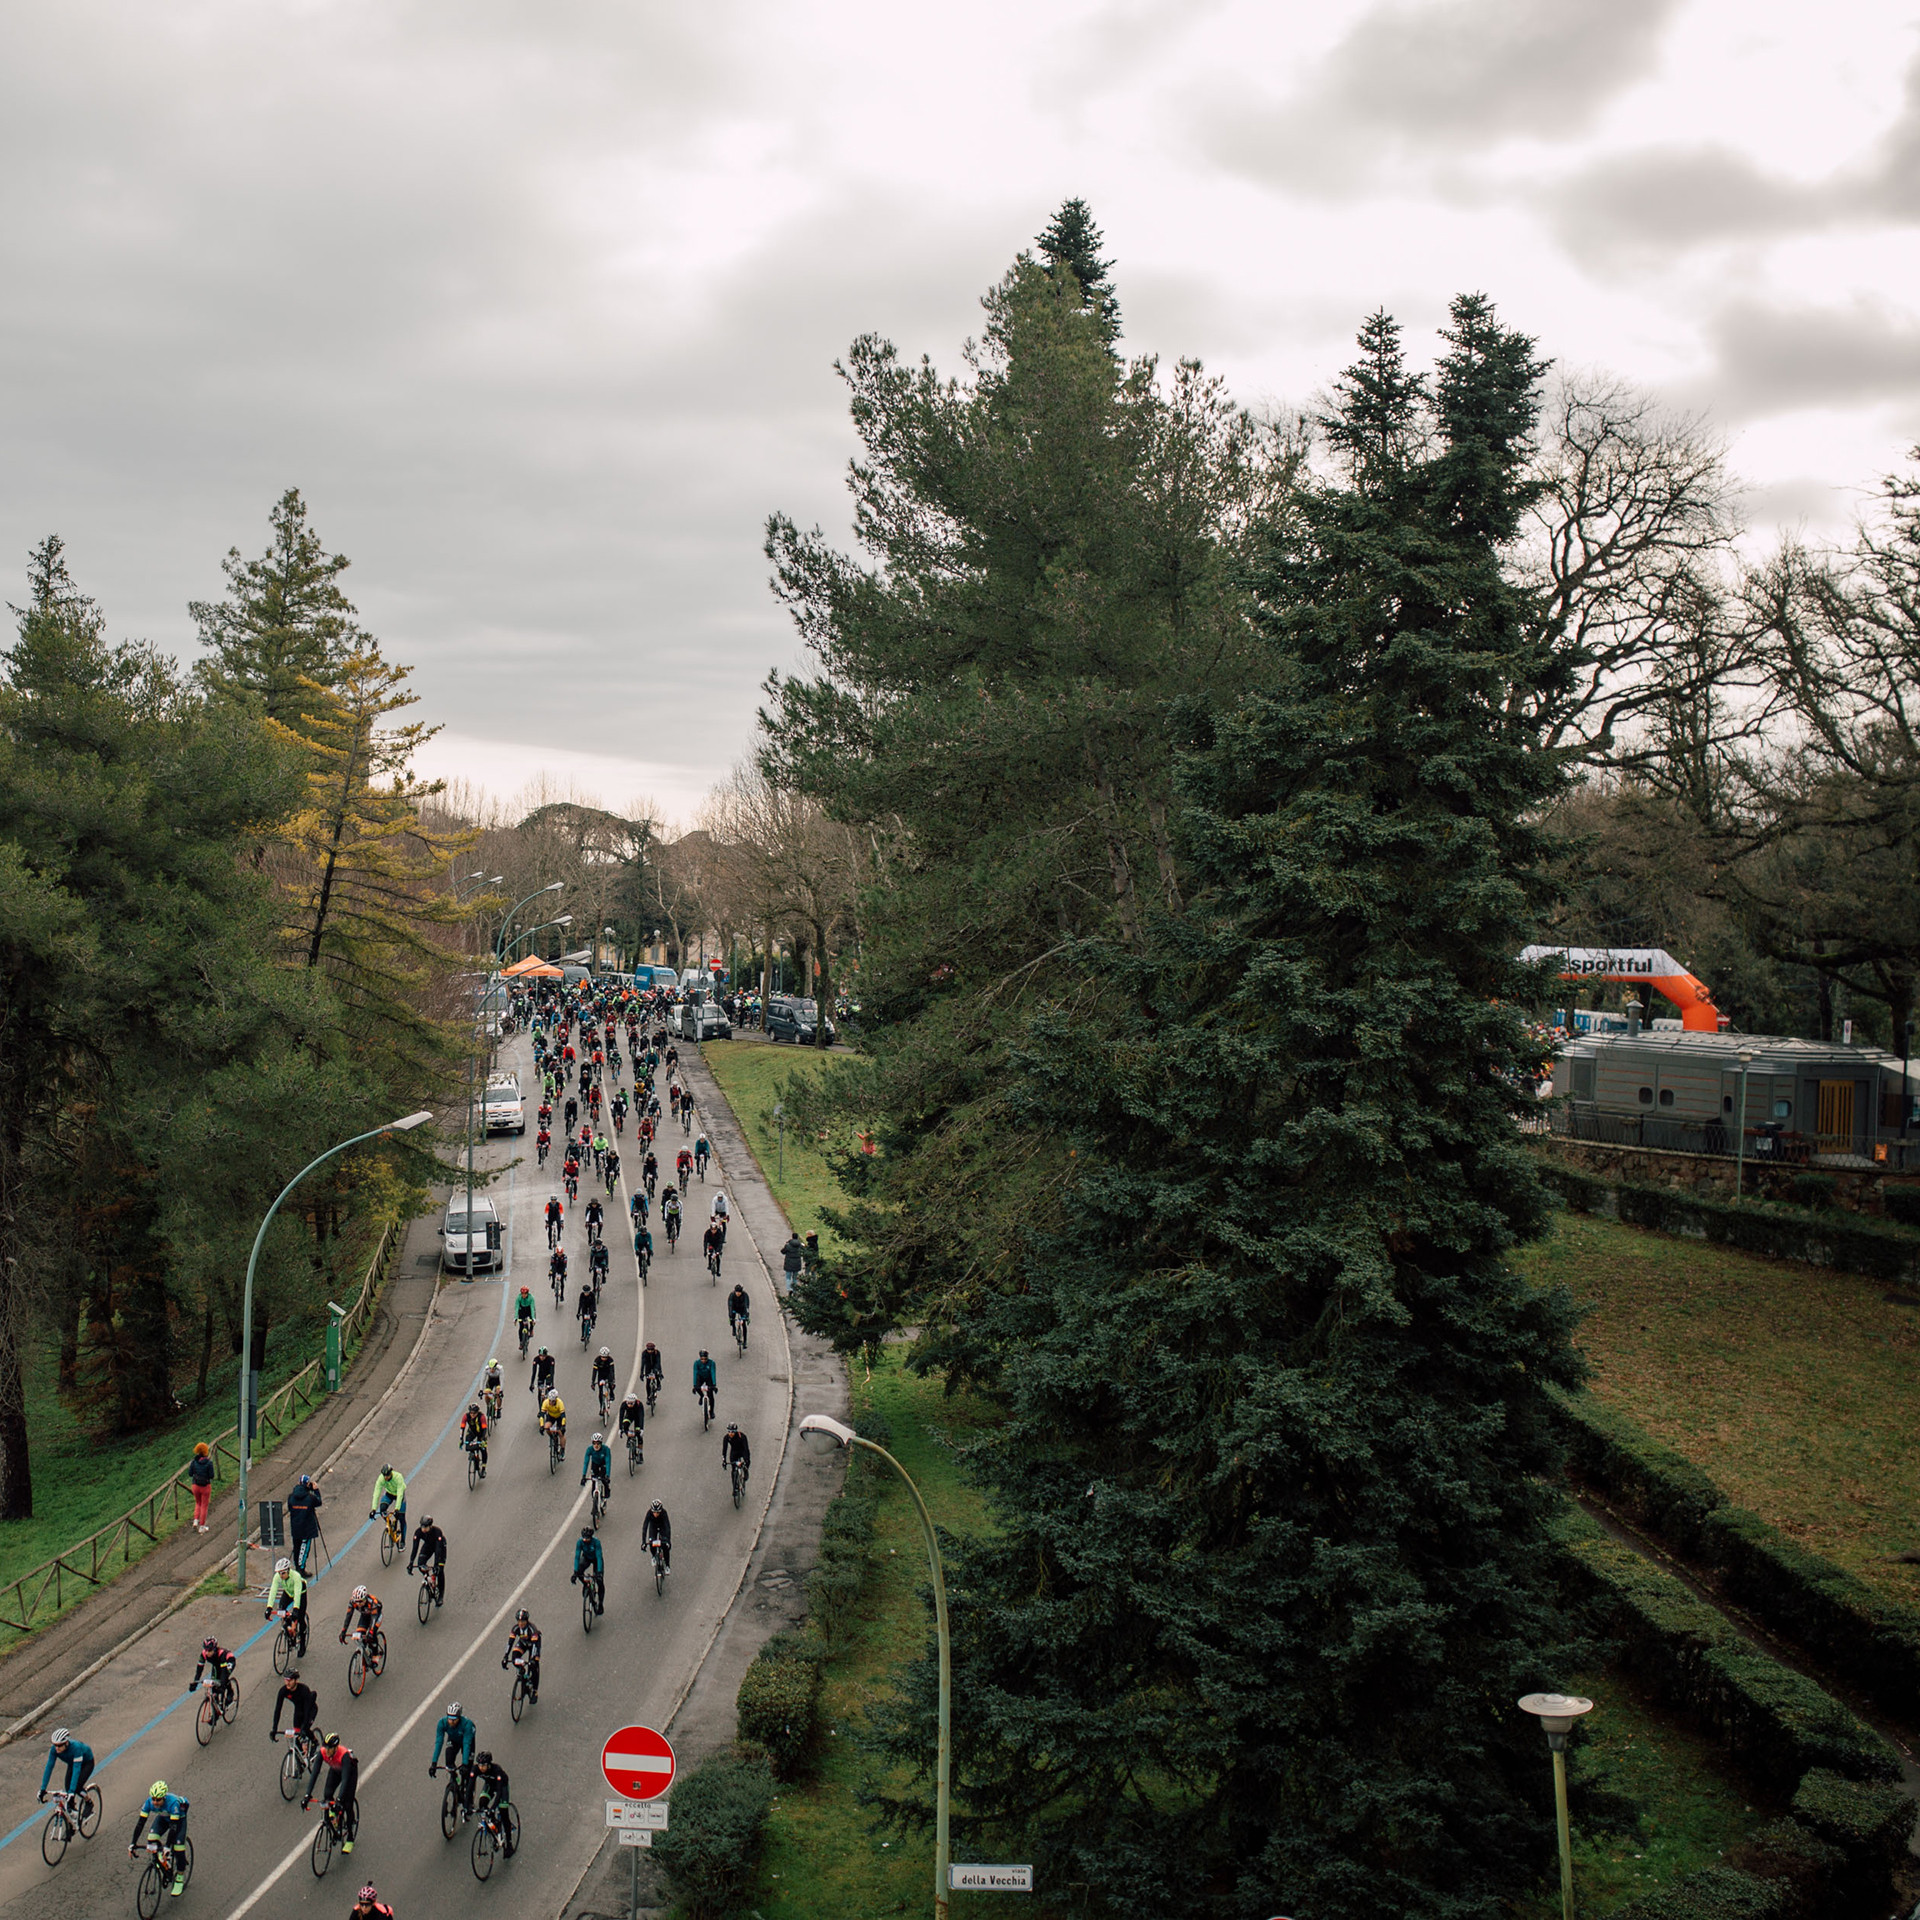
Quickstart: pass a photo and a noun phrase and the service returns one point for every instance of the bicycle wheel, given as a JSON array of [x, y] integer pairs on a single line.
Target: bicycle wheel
[[659, 1574], [92, 1805], [322, 1856], [387, 1544], [586, 1607], [230, 1701], [739, 1483], [424, 1605], [379, 1656], [473, 1469], [633, 1459], [512, 1819], [183, 1863], [54, 1837], [483, 1851], [450, 1811], [517, 1700], [204, 1717], [282, 1650], [553, 1453], [357, 1672], [146, 1899]]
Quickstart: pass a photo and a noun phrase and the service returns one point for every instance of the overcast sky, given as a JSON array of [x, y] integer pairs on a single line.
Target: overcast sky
[[538, 303]]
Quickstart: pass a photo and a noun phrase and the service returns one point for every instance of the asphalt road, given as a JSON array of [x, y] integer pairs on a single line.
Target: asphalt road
[[511, 1544]]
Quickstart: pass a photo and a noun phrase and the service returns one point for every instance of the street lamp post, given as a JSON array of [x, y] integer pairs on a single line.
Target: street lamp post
[[1556, 1713], [1740, 1132], [821, 1432], [565, 920], [407, 1125], [552, 886]]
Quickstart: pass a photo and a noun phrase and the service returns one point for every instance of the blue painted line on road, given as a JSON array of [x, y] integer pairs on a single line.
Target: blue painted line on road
[[133, 1739]]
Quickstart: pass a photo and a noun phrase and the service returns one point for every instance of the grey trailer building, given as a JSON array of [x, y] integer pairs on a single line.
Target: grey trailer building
[[1805, 1101]]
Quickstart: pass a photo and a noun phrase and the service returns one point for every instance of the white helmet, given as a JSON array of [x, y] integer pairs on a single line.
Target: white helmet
[[61, 1736], [607, 1352], [599, 1439], [283, 1565], [359, 1595]]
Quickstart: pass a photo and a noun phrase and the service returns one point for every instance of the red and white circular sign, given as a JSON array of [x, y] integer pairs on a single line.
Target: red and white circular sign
[[638, 1763]]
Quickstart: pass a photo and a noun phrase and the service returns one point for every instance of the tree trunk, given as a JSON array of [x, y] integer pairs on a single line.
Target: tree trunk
[[823, 990], [1163, 854], [206, 1356], [1126, 901]]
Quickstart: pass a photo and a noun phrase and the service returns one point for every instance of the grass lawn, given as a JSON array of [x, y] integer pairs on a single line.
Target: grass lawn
[[1790, 1385], [82, 1482], [753, 1077]]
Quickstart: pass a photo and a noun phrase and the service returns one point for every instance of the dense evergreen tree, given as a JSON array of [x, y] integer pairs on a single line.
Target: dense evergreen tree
[[1072, 241]]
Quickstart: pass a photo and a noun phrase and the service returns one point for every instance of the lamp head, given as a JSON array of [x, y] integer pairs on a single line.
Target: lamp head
[[409, 1123], [824, 1434], [1556, 1713]]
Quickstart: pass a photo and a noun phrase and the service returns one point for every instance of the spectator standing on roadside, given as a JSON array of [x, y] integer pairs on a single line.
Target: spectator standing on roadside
[[303, 1519], [793, 1257], [200, 1476]]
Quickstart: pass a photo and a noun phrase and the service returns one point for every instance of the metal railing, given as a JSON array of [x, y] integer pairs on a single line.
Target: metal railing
[[1765, 1145], [83, 1566]]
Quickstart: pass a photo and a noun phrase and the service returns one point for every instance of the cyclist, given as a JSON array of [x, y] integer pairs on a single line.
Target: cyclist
[[673, 1060], [430, 1545], [586, 1308], [673, 1100], [596, 1219], [597, 1461], [619, 1112], [683, 1166], [543, 1140], [542, 1378], [492, 1382], [288, 1588], [603, 1370], [390, 1490], [650, 1171], [734, 1447], [75, 1755], [599, 1152], [490, 1790], [670, 1217], [457, 1733], [597, 1257], [214, 1657], [343, 1778], [168, 1813], [633, 1418], [656, 1526], [713, 1242], [586, 1553], [637, 1207], [719, 1208], [295, 1693], [553, 1417], [523, 1637], [473, 1435], [556, 1218], [701, 1153], [557, 1266], [363, 1613], [737, 1303], [571, 1113], [613, 1168], [369, 1906], [650, 1366], [706, 1377], [643, 1249]]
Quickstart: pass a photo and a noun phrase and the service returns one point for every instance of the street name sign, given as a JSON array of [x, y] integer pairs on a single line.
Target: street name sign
[[990, 1879], [638, 1763], [651, 1814]]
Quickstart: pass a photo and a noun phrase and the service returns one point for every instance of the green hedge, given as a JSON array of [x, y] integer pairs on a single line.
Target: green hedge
[[846, 1542], [1866, 1825], [779, 1701], [1827, 1239], [711, 1850], [1720, 1893], [1868, 1640], [1778, 1722]]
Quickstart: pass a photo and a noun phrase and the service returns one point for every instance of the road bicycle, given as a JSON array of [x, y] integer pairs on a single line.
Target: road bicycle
[[593, 1233], [590, 1601], [221, 1701], [738, 1322], [521, 1698], [659, 1566], [496, 1837], [493, 1398], [556, 1448], [739, 1479], [713, 1263], [73, 1813], [454, 1811], [297, 1762], [672, 1224], [686, 1174], [643, 1258], [704, 1394], [433, 1592], [165, 1864], [603, 1393], [369, 1657], [636, 1451], [337, 1826], [392, 1539], [476, 1466], [289, 1644], [526, 1337], [586, 1328], [597, 1497]]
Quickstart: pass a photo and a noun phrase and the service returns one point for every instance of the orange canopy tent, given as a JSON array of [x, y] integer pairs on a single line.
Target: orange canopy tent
[[531, 968]]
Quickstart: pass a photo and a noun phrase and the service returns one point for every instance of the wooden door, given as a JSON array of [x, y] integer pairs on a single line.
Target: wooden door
[[1836, 1115]]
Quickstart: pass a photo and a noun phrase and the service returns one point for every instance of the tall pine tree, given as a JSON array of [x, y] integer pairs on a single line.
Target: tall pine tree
[[1271, 1494], [1072, 241]]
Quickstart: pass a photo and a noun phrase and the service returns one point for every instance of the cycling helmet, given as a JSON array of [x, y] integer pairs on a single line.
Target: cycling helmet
[[523, 1615], [385, 1470], [473, 1406], [283, 1565], [426, 1520], [453, 1709], [606, 1353], [586, 1533], [292, 1674], [360, 1595], [704, 1355], [158, 1791], [495, 1363], [368, 1892], [659, 1506], [598, 1437], [484, 1758], [543, 1354], [61, 1736], [209, 1645]]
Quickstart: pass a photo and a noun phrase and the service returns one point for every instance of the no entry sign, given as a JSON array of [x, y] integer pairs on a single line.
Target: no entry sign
[[638, 1763]]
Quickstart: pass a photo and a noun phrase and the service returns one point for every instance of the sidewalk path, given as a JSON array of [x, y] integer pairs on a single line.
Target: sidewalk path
[[47, 1661], [774, 1592]]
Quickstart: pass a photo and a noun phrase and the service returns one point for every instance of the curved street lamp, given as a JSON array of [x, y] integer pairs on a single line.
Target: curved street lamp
[[552, 886], [406, 1125], [823, 1433]]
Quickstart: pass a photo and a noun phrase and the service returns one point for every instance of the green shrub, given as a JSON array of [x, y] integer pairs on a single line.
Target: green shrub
[[1813, 1190], [1719, 1893], [1902, 1205], [1784, 1850], [711, 1850], [779, 1704], [1870, 1641], [1867, 1825]]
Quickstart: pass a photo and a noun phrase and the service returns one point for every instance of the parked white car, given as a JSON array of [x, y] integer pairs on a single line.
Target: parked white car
[[475, 1249], [503, 1107]]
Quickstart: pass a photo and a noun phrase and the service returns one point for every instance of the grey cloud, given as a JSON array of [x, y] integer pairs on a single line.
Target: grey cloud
[[1771, 360], [1436, 80]]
